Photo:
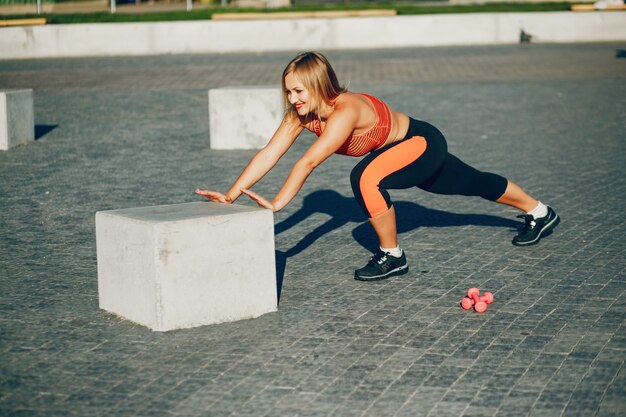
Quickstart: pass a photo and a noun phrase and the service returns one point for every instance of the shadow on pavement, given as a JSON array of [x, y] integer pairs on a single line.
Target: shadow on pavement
[[42, 130], [343, 210]]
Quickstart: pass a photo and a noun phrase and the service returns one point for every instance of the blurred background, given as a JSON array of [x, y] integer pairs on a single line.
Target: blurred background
[[27, 7]]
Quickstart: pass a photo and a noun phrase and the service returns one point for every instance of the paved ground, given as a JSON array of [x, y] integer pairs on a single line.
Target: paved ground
[[128, 132]]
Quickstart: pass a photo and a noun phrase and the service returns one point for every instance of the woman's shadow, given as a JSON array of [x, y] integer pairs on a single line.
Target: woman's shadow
[[343, 210]]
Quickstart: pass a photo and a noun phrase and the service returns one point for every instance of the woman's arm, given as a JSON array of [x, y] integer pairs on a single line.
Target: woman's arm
[[261, 163], [339, 127]]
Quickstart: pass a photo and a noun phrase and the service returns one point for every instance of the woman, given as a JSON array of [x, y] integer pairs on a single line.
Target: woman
[[401, 152]]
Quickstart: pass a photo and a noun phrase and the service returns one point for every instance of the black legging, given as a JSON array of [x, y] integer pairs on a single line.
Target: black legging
[[421, 160]]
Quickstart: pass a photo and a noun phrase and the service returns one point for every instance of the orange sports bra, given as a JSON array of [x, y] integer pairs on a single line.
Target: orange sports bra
[[359, 145]]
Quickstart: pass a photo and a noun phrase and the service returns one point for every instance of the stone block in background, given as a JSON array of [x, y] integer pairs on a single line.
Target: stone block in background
[[17, 121]]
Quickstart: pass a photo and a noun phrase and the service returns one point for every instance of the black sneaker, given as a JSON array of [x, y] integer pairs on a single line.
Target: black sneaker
[[534, 229], [382, 266]]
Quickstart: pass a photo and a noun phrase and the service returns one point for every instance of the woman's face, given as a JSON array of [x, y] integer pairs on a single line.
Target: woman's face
[[298, 95]]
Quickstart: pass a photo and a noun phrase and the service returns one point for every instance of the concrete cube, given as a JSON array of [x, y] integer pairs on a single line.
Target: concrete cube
[[17, 121], [243, 117], [185, 265]]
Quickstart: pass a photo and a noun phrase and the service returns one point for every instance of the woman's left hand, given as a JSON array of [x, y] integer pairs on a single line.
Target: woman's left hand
[[261, 201]]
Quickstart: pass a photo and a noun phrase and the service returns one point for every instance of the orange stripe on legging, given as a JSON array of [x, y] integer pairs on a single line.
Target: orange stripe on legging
[[386, 164]]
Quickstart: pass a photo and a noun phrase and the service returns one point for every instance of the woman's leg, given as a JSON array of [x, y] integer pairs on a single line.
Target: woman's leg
[[515, 196], [456, 177], [385, 227], [400, 165]]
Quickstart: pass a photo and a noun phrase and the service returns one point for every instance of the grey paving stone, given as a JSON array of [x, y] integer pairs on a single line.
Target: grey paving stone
[[121, 132]]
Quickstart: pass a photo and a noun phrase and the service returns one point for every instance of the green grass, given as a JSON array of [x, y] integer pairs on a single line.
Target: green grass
[[485, 8], [205, 14]]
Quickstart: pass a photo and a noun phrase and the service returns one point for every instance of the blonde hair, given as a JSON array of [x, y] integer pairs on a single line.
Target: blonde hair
[[317, 75]]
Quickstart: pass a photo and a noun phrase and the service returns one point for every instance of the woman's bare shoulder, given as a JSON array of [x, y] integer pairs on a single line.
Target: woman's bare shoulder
[[349, 100], [355, 107], [346, 98]]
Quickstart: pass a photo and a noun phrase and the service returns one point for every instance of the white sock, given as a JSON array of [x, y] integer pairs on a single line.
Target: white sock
[[395, 252], [540, 211]]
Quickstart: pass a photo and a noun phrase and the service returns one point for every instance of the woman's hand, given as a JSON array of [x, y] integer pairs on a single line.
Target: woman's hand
[[214, 196], [261, 201]]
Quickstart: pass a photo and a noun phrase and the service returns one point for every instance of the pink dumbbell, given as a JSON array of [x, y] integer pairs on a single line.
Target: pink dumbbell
[[474, 299], [487, 297]]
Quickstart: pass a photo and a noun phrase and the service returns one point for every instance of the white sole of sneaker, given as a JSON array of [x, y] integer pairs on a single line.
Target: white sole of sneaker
[[394, 272]]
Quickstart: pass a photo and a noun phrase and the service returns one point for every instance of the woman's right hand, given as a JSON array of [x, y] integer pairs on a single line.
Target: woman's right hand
[[214, 196]]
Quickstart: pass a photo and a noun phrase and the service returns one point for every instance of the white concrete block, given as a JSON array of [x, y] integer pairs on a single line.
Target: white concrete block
[[243, 117], [186, 265], [17, 120], [189, 37]]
